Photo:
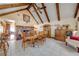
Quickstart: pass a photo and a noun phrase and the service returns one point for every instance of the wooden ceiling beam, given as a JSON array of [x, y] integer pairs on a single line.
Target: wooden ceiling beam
[[46, 12], [37, 13], [76, 10], [30, 5], [13, 11], [58, 11], [4, 6], [32, 16]]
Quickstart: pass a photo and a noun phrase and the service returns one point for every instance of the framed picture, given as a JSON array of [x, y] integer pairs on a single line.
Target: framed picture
[[26, 18]]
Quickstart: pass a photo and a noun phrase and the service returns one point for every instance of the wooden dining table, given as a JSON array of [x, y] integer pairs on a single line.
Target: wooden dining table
[[32, 39]]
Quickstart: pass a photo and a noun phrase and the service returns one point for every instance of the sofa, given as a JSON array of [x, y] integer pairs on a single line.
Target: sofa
[[73, 40]]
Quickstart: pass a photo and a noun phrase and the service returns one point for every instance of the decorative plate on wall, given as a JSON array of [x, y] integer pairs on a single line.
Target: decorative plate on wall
[[26, 18]]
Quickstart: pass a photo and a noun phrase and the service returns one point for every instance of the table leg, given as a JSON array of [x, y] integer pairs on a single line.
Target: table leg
[[78, 49], [66, 44]]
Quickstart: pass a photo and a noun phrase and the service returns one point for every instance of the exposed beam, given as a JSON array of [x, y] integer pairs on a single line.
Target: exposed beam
[[58, 11], [40, 7], [32, 16], [46, 12], [4, 6], [76, 10], [37, 13], [13, 12], [30, 5], [37, 8]]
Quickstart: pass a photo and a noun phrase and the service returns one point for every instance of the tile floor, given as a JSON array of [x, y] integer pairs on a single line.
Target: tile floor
[[50, 48]]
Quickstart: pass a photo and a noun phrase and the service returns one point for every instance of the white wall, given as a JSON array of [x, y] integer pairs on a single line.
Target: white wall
[[19, 18], [66, 15], [71, 22]]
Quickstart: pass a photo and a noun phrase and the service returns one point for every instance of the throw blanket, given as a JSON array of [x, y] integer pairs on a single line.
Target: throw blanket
[[75, 38]]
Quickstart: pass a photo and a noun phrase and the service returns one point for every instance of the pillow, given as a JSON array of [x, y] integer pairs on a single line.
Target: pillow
[[77, 34], [74, 33]]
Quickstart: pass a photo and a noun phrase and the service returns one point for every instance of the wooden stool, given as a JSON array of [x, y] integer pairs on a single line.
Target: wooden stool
[[23, 39]]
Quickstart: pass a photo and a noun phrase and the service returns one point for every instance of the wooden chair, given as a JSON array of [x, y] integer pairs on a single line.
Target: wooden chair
[[44, 35], [40, 37], [23, 35], [26, 39], [4, 43], [33, 38]]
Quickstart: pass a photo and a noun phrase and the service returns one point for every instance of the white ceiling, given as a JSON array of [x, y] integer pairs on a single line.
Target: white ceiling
[[67, 10], [4, 3], [12, 9]]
